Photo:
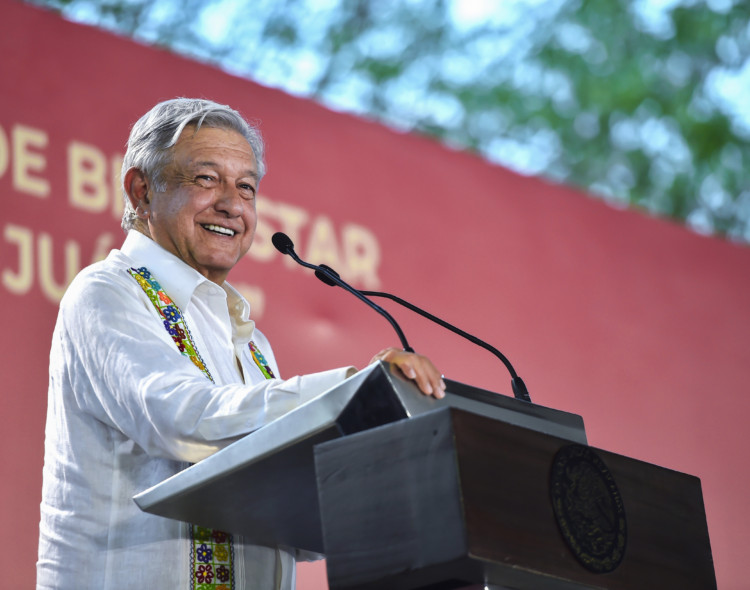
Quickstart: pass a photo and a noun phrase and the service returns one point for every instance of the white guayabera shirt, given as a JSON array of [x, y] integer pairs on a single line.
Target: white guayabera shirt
[[127, 410]]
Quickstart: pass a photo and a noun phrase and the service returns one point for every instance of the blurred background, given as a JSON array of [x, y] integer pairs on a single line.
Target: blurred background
[[606, 299], [642, 103]]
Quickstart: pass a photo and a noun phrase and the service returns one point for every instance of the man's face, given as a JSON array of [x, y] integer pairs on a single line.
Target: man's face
[[207, 215]]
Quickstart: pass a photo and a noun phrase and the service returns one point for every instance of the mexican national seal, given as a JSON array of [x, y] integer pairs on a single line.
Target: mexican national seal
[[588, 507]]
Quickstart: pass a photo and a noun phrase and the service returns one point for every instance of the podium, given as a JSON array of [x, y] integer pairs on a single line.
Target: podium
[[401, 491]]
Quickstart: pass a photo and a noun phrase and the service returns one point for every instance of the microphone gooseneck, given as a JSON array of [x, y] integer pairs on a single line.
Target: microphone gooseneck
[[519, 387], [284, 244], [517, 384]]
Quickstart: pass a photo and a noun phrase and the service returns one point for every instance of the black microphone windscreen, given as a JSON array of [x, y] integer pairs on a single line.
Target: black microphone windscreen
[[282, 242]]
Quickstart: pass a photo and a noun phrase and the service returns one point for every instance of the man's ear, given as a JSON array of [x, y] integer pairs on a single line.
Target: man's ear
[[136, 187]]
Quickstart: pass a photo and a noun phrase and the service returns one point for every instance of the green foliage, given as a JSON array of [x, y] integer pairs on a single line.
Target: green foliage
[[639, 103]]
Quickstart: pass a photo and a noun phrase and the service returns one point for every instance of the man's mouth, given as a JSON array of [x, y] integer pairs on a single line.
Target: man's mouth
[[217, 229]]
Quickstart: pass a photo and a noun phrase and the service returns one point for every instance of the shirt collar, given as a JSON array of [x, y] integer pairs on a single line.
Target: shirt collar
[[178, 279], [239, 312]]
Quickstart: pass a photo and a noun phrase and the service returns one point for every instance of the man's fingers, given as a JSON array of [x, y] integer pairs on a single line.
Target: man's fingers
[[416, 367]]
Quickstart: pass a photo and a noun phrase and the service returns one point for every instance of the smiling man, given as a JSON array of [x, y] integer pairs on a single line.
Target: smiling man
[[203, 211], [156, 364]]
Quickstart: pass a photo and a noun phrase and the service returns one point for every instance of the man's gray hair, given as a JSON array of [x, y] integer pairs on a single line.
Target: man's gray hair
[[155, 134]]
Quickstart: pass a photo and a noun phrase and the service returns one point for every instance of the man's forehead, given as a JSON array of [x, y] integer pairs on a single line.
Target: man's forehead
[[211, 146], [212, 136]]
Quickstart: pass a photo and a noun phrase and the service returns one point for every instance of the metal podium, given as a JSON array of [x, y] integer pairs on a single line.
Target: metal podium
[[403, 491]]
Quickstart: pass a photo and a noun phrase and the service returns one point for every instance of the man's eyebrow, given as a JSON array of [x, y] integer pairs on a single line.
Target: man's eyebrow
[[211, 164]]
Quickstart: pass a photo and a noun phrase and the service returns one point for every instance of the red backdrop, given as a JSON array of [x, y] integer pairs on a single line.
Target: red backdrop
[[636, 324]]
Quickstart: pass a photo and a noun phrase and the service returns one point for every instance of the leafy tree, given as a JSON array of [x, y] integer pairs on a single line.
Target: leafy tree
[[642, 103]]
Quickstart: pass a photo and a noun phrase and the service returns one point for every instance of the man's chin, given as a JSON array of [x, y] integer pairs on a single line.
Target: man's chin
[[215, 271]]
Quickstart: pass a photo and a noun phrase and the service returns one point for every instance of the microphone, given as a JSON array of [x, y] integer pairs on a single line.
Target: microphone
[[284, 244], [519, 387]]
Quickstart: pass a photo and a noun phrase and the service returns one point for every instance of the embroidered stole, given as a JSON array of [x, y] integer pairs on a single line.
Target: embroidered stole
[[211, 551]]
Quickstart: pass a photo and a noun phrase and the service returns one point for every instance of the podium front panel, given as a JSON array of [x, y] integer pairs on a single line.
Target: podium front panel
[[449, 499]]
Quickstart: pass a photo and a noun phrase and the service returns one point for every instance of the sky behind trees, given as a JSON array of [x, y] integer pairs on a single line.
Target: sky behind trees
[[642, 103]]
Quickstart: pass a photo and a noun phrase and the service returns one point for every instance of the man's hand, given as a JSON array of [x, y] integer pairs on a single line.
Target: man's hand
[[416, 367]]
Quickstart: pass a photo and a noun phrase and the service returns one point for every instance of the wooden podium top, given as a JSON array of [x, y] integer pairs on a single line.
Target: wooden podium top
[[267, 479]]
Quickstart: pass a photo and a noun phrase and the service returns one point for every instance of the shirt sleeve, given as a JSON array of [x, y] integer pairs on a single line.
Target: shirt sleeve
[[124, 369]]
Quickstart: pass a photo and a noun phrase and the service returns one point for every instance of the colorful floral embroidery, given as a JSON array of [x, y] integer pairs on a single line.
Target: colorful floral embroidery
[[220, 553], [260, 360], [202, 534], [204, 574], [204, 553], [222, 573], [211, 559], [173, 320], [211, 551]]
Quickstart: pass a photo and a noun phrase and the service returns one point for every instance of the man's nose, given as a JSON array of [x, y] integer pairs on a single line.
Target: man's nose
[[230, 201]]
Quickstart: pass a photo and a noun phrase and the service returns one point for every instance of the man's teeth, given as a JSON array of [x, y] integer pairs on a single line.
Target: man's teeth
[[219, 230]]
